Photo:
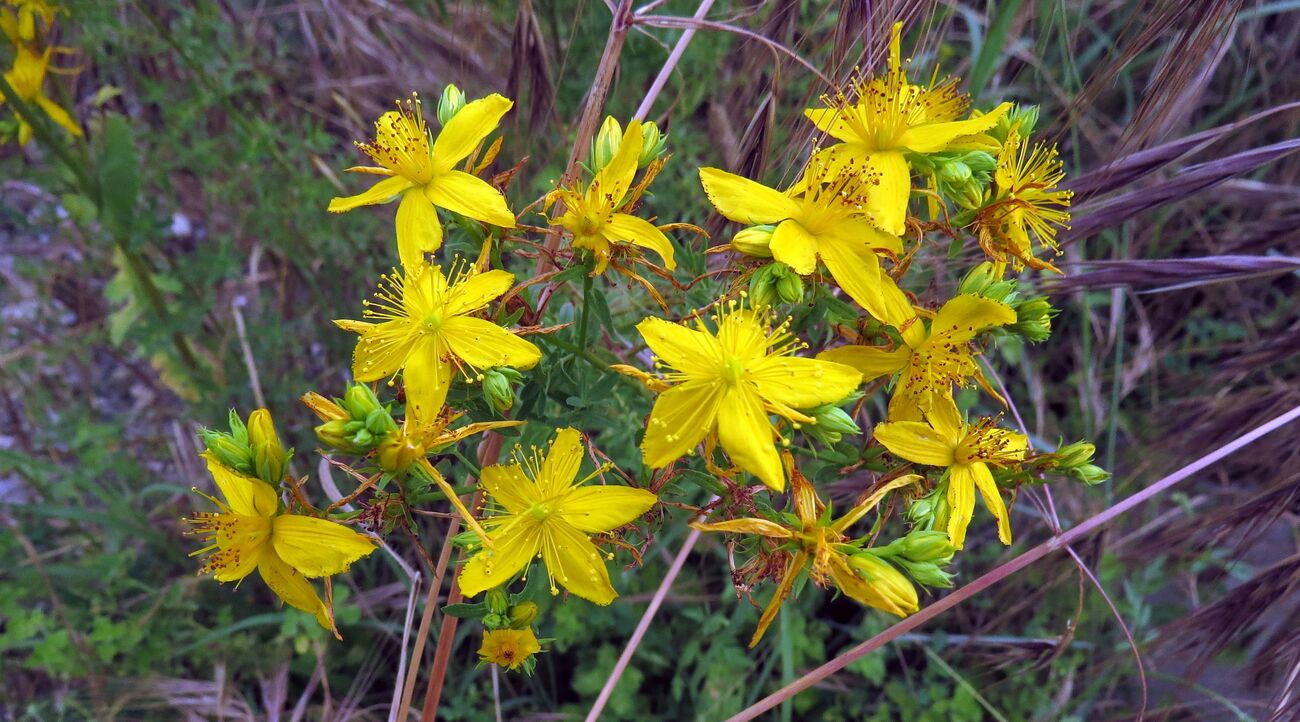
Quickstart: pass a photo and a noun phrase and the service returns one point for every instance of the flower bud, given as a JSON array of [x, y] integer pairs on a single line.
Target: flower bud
[[497, 600], [493, 620], [925, 545], [978, 279], [1090, 474], [832, 418], [360, 401], [334, 434], [754, 241], [324, 408], [605, 145], [653, 144], [898, 596], [928, 574], [497, 389], [789, 286], [269, 458], [522, 615], [1075, 454], [379, 422], [228, 451], [397, 452], [1024, 119], [450, 103], [981, 164], [1034, 318]]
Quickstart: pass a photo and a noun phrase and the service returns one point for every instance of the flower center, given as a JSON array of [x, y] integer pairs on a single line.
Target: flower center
[[432, 321], [539, 511], [733, 370]]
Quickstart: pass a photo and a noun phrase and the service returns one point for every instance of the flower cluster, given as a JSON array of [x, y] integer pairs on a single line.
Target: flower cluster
[[26, 25]]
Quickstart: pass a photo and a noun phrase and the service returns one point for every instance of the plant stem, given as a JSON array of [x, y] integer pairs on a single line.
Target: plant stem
[[585, 313]]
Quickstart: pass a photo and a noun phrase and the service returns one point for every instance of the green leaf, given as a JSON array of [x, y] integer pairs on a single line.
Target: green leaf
[[119, 177], [466, 611]]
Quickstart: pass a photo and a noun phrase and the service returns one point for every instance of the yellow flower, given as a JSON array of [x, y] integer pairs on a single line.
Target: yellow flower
[[967, 451], [820, 218], [882, 118], [425, 176], [547, 514], [1025, 200], [426, 331], [931, 360], [508, 648], [727, 383], [250, 533], [26, 78], [823, 547], [21, 27], [591, 215]]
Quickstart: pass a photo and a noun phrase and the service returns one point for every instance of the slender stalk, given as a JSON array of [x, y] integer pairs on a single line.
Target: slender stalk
[[671, 63], [1016, 564], [586, 311], [430, 604]]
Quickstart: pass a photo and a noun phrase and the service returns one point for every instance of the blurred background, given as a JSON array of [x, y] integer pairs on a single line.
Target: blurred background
[[225, 126]]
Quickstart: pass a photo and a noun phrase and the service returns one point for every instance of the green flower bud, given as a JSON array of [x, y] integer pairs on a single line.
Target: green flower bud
[[363, 438], [324, 408], [497, 600], [1034, 318], [334, 434], [397, 452], [832, 418], [978, 279], [955, 173], [238, 431], [379, 422], [789, 286], [1025, 119], [773, 283], [897, 592], [754, 241], [981, 164], [653, 144], [229, 452], [925, 545], [928, 574], [450, 103], [522, 615], [1076, 454], [493, 620], [360, 401], [605, 145], [269, 458], [1090, 474], [497, 390]]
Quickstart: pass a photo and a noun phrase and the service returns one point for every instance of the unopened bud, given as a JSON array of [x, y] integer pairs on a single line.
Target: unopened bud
[[238, 431], [522, 615], [1025, 119], [897, 595], [605, 145], [360, 401], [450, 103], [497, 600], [229, 452], [789, 286], [754, 241], [269, 458], [397, 452], [1090, 474], [926, 545], [334, 435], [833, 418], [497, 389], [324, 408], [1034, 318], [928, 574], [653, 144], [493, 620], [1075, 454]]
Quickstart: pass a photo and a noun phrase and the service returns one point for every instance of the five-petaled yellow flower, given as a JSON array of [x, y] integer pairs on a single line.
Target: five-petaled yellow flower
[[426, 331], [548, 513], [508, 648], [883, 118], [426, 176], [823, 216], [823, 546], [727, 383], [250, 533], [1025, 199], [967, 451], [592, 216], [930, 361], [26, 77]]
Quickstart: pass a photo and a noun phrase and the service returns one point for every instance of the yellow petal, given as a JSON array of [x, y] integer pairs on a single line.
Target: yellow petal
[[887, 201], [576, 564], [595, 509], [934, 137], [510, 487], [961, 503], [353, 326], [679, 421], [560, 467], [856, 230], [944, 416], [992, 499], [832, 121], [244, 495], [866, 505], [58, 115], [484, 344], [748, 525], [692, 352], [875, 583], [514, 544], [467, 129], [870, 361], [804, 382], [745, 201], [792, 570], [382, 350], [915, 441], [427, 377], [381, 192], [470, 196], [294, 589], [963, 316], [856, 268], [746, 434], [317, 547], [794, 246], [477, 291], [418, 229], [639, 232], [613, 181]]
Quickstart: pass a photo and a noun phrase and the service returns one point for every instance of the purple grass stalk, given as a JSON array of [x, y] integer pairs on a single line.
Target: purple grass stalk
[[1016, 564], [671, 63], [646, 618]]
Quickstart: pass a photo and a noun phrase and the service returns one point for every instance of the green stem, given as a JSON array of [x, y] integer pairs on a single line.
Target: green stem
[[585, 313]]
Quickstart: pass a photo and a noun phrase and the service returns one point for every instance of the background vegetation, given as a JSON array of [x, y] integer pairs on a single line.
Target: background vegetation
[[241, 114]]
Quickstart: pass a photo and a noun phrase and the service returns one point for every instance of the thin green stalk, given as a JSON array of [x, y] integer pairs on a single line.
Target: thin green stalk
[[585, 314]]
